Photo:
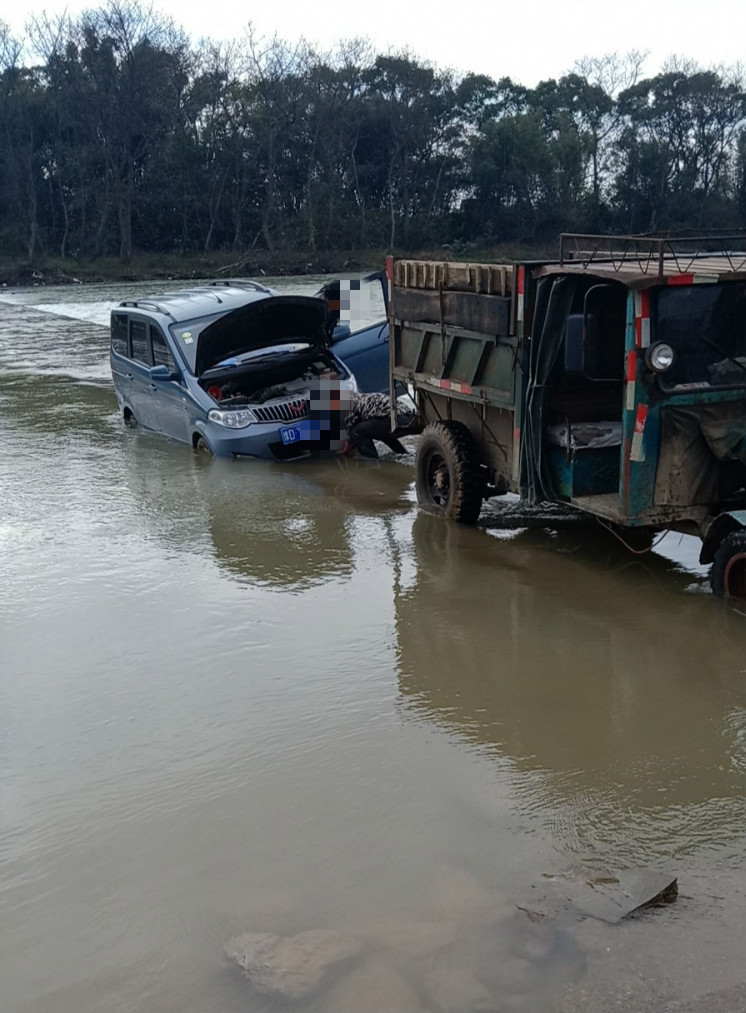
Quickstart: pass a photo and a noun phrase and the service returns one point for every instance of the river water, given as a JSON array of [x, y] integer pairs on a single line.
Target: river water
[[247, 697]]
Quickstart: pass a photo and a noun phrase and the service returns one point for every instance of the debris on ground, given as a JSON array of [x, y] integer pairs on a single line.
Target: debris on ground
[[609, 898]]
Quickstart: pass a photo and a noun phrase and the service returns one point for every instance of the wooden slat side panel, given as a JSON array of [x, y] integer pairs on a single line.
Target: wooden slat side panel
[[488, 314], [487, 279]]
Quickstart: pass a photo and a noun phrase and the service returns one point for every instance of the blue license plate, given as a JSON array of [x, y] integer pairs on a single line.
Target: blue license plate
[[291, 434]]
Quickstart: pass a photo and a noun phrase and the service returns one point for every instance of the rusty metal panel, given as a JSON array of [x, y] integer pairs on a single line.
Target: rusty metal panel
[[470, 359], [417, 350], [499, 371]]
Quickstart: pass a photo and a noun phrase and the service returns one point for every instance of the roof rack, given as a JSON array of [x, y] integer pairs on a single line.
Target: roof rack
[[652, 251], [159, 305], [253, 286], [210, 290], [146, 304]]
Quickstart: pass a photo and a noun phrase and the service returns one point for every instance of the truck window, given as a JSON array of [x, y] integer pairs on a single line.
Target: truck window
[[706, 327]]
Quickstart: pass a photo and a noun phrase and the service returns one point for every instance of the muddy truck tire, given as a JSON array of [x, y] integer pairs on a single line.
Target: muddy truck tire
[[728, 572], [448, 473]]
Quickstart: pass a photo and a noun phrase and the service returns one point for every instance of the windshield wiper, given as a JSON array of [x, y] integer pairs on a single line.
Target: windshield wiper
[[725, 355]]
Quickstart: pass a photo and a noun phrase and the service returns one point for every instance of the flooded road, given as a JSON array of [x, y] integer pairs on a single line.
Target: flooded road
[[245, 697]]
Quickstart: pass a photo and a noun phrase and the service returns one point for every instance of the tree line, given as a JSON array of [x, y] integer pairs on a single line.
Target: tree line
[[117, 133]]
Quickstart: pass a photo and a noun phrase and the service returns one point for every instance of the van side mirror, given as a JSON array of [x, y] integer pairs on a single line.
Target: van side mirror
[[162, 373], [340, 332]]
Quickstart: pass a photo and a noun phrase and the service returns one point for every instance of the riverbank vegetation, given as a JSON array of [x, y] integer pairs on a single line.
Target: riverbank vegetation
[[126, 144], [163, 266]]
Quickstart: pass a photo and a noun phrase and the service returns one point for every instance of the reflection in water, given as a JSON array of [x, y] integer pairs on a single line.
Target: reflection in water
[[295, 529], [281, 527], [619, 703]]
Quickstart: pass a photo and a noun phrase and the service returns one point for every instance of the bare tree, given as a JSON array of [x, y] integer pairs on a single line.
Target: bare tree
[[20, 98]]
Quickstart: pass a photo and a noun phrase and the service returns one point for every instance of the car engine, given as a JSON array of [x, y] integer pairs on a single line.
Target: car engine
[[240, 390]]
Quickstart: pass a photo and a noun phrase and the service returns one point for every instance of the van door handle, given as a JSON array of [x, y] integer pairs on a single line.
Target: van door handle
[[152, 386], [128, 375]]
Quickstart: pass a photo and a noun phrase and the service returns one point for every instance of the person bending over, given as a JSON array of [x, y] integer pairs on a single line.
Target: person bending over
[[368, 418]]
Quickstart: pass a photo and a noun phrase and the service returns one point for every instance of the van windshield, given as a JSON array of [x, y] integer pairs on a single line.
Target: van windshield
[[186, 335], [706, 327]]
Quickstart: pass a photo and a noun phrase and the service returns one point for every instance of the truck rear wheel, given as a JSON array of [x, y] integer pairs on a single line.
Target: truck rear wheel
[[728, 573], [448, 473]]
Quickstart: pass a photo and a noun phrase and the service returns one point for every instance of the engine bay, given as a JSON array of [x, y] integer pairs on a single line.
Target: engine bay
[[258, 383]]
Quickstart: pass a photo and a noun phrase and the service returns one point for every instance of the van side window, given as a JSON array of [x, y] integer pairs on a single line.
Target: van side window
[[161, 352], [119, 343], [139, 340]]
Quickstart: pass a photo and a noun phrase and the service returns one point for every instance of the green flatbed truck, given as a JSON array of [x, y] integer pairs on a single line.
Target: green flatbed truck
[[612, 379]]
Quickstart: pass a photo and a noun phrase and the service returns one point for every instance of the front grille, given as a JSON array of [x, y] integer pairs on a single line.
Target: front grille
[[282, 411]]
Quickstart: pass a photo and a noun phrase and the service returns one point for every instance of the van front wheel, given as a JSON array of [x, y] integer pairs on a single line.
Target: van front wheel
[[202, 447], [448, 473], [728, 573]]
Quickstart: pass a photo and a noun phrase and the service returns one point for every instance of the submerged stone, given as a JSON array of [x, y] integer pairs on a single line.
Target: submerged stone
[[291, 967]]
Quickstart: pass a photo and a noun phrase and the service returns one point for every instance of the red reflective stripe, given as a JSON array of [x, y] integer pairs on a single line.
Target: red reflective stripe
[[641, 417], [461, 388], [521, 280], [681, 279], [631, 364], [645, 319], [516, 433], [637, 450], [644, 314]]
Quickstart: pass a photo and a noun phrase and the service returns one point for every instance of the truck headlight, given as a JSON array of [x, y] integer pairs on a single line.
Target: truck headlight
[[237, 419], [659, 357]]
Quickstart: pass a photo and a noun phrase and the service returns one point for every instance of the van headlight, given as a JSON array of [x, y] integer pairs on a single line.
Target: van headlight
[[659, 357], [237, 419]]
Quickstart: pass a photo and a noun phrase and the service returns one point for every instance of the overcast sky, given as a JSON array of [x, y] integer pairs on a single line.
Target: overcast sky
[[526, 41]]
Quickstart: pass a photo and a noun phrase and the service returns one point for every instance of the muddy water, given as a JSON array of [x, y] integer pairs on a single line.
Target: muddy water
[[238, 696]]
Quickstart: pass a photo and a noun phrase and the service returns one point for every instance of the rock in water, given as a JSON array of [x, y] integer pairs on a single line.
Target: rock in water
[[290, 967]]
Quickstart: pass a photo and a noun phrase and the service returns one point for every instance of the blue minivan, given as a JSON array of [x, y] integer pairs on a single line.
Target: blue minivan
[[226, 367]]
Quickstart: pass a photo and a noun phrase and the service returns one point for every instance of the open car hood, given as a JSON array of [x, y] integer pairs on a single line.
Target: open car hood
[[260, 324]]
